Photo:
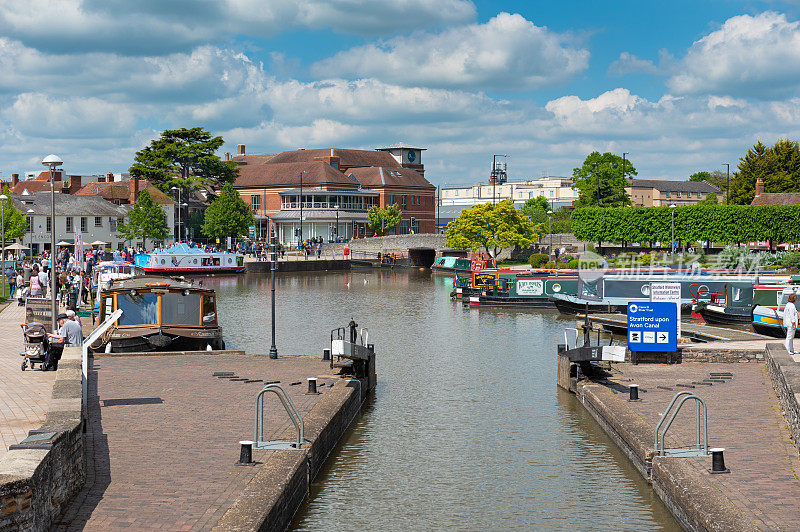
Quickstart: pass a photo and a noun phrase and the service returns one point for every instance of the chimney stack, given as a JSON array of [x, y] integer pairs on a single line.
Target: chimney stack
[[14, 180], [74, 184], [759, 187], [239, 149], [135, 190]]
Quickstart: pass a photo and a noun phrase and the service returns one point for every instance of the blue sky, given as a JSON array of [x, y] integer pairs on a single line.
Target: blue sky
[[682, 86]]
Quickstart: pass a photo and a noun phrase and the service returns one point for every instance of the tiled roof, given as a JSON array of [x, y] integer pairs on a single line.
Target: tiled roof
[[70, 205], [34, 185], [683, 186], [288, 174], [123, 191], [777, 198], [252, 159], [347, 158], [389, 177]]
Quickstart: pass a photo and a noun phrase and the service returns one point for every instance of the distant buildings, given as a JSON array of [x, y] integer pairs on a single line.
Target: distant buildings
[[661, 193], [557, 191], [335, 187], [774, 198]]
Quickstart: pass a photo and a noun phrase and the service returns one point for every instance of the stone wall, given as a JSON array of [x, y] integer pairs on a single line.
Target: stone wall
[[38, 480], [785, 375], [392, 243]]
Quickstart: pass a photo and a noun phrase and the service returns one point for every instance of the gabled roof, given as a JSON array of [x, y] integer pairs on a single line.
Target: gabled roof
[[777, 198], [34, 185], [70, 205], [347, 158], [288, 174], [123, 191], [252, 159], [389, 177], [683, 186]]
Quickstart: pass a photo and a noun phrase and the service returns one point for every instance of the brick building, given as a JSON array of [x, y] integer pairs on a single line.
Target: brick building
[[661, 193], [334, 188]]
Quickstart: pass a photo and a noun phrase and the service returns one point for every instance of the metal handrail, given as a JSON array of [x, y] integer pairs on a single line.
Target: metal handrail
[[102, 328], [566, 341], [681, 398], [288, 405]]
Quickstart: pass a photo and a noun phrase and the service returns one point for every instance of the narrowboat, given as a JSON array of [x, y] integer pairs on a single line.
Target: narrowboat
[[183, 258], [769, 320], [452, 264], [109, 270], [517, 289], [159, 314], [733, 306]]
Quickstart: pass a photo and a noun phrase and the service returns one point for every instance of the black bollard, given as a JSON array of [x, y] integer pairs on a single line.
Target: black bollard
[[246, 453], [718, 461], [312, 386], [371, 348], [633, 390], [326, 354]]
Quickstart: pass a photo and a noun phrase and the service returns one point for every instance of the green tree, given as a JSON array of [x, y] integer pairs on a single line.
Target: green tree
[[778, 166], [716, 178], [146, 220], [710, 199], [195, 223], [183, 158], [382, 221], [228, 215], [603, 171], [491, 228], [14, 222]]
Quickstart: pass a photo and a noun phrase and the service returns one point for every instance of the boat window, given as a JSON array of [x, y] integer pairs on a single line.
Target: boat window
[[178, 309], [141, 309], [209, 311], [737, 294]]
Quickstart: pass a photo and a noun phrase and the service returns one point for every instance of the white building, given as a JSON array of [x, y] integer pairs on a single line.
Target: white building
[[557, 190]]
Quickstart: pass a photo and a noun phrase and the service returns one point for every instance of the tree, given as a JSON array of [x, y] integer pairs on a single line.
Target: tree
[[778, 166], [536, 209], [195, 223], [717, 178], [491, 228], [146, 220], [14, 222], [183, 158], [710, 199], [605, 169], [381, 221], [228, 215]]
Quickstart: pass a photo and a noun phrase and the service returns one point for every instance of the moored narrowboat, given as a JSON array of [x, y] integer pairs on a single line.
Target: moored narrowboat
[[183, 258]]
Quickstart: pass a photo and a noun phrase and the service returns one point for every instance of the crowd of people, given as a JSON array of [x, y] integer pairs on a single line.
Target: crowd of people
[[260, 250]]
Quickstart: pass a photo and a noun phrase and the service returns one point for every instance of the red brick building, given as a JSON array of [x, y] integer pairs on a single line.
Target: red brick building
[[337, 186]]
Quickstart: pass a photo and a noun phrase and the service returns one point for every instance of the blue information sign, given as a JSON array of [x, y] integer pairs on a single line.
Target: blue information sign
[[653, 326], [251, 231]]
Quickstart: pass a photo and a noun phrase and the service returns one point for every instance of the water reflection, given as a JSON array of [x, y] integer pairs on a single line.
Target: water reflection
[[467, 428]]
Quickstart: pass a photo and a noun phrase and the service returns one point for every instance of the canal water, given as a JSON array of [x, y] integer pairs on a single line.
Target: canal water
[[467, 428]]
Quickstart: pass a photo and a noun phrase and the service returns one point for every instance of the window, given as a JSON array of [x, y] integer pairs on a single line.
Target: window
[[30, 223], [667, 193], [677, 193], [112, 224], [177, 309], [391, 199], [402, 227], [255, 203], [98, 221], [69, 224], [49, 224], [141, 309], [404, 205], [83, 224]]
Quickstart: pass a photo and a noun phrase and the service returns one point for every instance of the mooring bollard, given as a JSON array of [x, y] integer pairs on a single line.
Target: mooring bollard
[[633, 391], [246, 453], [718, 461], [312, 386], [326, 354]]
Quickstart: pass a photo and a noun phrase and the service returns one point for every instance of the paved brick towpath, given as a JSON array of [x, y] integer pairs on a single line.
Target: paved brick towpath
[[24, 395], [163, 436]]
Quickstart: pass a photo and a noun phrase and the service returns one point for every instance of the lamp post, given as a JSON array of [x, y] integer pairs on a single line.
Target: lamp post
[[52, 161], [728, 191], [550, 232], [337, 222], [3, 199], [672, 243], [300, 238], [273, 351], [185, 233], [179, 210], [30, 214]]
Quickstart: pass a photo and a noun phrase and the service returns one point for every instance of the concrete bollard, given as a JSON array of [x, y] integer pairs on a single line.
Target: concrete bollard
[[312, 386], [633, 391], [246, 453], [718, 461], [326, 354]]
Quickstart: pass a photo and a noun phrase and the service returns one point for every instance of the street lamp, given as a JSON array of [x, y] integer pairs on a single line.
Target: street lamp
[[52, 161], [300, 239], [337, 222], [3, 199], [728, 191], [185, 234], [273, 351], [550, 231], [672, 243], [179, 210]]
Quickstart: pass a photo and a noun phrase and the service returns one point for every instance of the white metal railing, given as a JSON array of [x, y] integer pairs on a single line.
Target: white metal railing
[[97, 333]]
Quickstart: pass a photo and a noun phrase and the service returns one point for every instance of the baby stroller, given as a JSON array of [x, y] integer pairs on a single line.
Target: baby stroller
[[35, 345]]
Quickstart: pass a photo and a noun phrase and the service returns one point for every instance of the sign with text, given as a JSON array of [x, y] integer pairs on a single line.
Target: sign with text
[[483, 280], [670, 293], [530, 287], [653, 326]]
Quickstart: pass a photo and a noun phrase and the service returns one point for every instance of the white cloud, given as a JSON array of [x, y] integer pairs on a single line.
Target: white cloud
[[152, 27], [752, 56], [506, 52]]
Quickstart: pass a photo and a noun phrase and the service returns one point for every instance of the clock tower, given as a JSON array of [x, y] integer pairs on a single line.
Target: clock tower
[[408, 155]]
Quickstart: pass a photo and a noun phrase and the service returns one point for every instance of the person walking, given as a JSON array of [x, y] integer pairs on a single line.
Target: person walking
[[790, 322]]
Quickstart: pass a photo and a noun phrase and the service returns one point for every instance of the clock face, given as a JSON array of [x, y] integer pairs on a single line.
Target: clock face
[[411, 155]]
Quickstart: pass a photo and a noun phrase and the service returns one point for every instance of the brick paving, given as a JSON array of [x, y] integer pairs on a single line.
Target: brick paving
[[163, 437], [24, 395], [745, 418]]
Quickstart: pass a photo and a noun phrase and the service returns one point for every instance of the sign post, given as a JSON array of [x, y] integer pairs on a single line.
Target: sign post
[[670, 293], [653, 327]]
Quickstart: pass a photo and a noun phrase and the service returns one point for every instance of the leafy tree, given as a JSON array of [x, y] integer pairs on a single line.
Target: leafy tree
[[710, 199], [14, 223], [228, 215], [716, 178], [605, 170], [146, 220], [382, 221], [491, 228], [778, 166], [195, 223], [183, 158]]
